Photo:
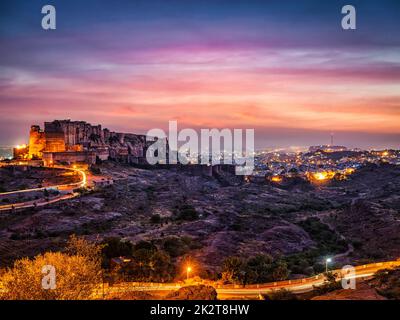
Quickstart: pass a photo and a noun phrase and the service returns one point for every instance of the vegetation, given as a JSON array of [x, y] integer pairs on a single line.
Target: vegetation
[[199, 292], [258, 269], [328, 243], [327, 240], [387, 283], [176, 246], [82, 190], [95, 170], [155, 218], [281, 294], [115, 247], [148, 264], [145, 261], [77, 273], [186, 212], [330, 284]]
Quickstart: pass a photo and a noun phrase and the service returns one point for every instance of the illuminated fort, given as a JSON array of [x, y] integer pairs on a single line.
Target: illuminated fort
[[67, 142]]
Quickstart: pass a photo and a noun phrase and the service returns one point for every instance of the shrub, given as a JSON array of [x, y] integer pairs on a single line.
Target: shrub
[[175, 246], [155, 218], [199, 292], [282, 294], [187, 212]]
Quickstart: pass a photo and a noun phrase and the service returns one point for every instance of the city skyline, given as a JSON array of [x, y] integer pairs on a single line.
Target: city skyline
[[290, 72]]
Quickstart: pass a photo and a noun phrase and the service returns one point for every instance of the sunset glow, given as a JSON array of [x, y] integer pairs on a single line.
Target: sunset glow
[[209, 69]]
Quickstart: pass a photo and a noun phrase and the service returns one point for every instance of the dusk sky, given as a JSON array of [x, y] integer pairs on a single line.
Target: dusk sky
[[285, 68]]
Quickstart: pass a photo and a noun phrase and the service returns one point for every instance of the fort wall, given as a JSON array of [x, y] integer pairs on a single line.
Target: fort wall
[[37, 142]]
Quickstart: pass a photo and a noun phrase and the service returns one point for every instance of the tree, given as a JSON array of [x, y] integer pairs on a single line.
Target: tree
[[162, 269], [149, 264], [260, 268], [115, 247], [175, 246], [80, 247], [232, 269], [280, 271], [77, 274], [146, 245]]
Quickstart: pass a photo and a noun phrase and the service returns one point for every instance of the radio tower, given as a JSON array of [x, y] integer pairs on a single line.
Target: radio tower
[[331, 138]]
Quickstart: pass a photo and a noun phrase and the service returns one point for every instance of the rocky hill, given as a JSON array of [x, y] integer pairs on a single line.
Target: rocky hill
[[201, 217]]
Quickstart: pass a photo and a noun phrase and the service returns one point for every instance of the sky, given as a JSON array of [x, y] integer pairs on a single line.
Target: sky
[[285, 68]]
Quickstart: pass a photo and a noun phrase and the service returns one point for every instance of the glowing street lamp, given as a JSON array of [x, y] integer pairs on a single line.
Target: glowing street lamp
[[188, 270], [320, 175], [328, 260], [276, 179]]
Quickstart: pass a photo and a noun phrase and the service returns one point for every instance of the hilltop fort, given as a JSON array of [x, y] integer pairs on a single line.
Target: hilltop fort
[[66, 142]]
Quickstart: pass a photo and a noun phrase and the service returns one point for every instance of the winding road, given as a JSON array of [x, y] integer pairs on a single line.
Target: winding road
[[226, 292], [232, 292], [66, 192]]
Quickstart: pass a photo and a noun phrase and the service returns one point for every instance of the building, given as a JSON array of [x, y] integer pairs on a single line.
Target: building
[[327, 148], [76, 132], [69, 157], [119, 262], [20, 152], [37, 142], [66, 141]]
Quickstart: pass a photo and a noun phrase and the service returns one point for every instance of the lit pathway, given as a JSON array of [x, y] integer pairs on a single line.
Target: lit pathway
[[67, 189], [249, 291]]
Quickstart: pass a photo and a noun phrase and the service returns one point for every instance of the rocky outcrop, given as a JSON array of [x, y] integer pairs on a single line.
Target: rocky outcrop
[[200, 292], [362, 292]]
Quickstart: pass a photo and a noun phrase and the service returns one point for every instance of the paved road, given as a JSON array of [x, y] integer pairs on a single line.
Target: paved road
[[297, 286], [66, 192], [240, 292], [224, 292], [252, 291]]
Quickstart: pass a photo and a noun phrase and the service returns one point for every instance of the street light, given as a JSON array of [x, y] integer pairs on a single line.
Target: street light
[[188, 270], [328, 260]]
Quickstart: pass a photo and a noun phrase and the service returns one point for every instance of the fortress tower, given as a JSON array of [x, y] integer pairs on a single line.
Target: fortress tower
[[55, 140], [37, 142]]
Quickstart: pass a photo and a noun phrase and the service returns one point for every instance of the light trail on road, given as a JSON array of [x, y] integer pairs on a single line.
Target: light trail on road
[[66, 187], [253, 291]]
